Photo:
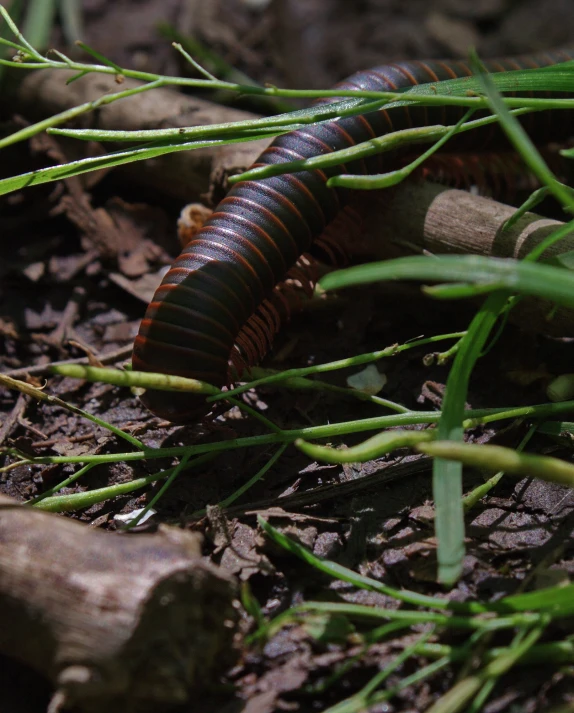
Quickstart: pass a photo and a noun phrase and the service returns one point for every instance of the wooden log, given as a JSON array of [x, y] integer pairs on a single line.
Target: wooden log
[[186, 175], [418, 216], [115, 621]]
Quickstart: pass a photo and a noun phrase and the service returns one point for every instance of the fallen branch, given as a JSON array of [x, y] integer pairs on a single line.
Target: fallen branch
[[186, 175], [419, 216], [115, 622]]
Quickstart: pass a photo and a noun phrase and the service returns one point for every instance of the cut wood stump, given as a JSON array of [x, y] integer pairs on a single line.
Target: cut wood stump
[[117, 622]]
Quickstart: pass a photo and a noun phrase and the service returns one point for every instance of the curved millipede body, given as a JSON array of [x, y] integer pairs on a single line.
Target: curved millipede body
[[260, 230]]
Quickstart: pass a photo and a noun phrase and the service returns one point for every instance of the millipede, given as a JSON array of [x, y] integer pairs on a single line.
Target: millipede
[[222, 300]]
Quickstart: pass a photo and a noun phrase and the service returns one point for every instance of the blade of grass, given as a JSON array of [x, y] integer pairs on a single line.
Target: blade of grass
[[472, 419], [361, 700], [370, 449], [78, 501], [355, 361], [364, 613], [40, 395], [344, 574], [76, 111], [71, 15], [461, 694], [472, 498], [542, 280], [118, 158], [447, 475], [538, 280], [520, 139], [510, 461], [249, 484], [39, 22], [161, 492]]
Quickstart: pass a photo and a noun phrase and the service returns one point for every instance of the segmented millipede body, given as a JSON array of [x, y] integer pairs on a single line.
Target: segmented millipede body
[[215, 298]]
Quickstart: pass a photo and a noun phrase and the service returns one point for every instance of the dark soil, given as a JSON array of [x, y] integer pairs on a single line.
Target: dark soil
[[54, 295]]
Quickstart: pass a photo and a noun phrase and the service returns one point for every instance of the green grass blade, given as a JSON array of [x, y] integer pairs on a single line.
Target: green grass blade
[[72, 25], [520, 139], [510, 461], [100, 57], [337, 571], [447, 474], [39, 22], [118, 158], [538, 280]]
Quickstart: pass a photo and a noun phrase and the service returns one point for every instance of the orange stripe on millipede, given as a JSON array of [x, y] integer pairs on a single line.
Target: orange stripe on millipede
[[271, 217], [205, 296], [237, 275], [497, 66], [277, 294], [281, 199], [366, 123], [513, 64], [162, 306], [351, 141], [238, 238], [178, 348], [258, 229], [427, 69], [263, 326], [433, 78], [337, 127], [328, 149], [385, 80], [270, 315], [415, 82], [203, 276], [548, 58], [528, 62], [393, 88], [348, 85], [260, 340], [247, 339], [176, 329], [245, 349], [385, 113], [291, 178], [463, 66], [448, 69], [405, 72]]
